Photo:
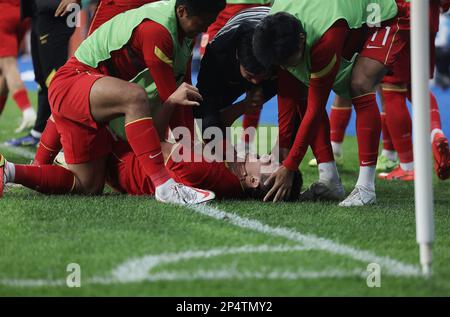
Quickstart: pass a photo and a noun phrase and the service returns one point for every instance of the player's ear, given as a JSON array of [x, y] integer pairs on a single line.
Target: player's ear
[[182, 11]]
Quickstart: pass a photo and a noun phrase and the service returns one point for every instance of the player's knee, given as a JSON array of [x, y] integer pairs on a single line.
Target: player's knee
[[361, 85], [137, 101], [89, 187]]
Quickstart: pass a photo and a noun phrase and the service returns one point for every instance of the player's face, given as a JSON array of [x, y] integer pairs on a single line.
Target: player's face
[[258, 170], [193, 25], [255, 79]]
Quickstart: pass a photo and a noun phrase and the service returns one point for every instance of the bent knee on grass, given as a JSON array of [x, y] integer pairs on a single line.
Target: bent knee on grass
[[89, 177]]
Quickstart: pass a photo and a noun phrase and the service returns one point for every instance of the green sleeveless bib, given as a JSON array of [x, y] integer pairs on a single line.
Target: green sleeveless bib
[[317, 16], [116, 33]]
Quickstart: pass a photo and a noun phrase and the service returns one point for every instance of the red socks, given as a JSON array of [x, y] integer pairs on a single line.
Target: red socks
[[399, 124], [21, 99], [339, 118], [49, 145], [435, 114], [2, 103], [144, 141], [250, 120], [46, 179], [387, 140], [368, 128]]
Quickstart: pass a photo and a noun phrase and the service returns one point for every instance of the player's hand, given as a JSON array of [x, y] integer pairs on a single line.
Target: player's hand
[[281, 182], [186, 95], [64, 7]]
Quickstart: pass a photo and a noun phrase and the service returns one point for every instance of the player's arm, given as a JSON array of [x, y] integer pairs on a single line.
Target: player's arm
[[288, 87], [212, 87], [154, 44], [253, 101]]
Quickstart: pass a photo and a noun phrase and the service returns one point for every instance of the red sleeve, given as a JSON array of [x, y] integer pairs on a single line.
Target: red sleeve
[[326, 55], [149, 38], [289, 96]]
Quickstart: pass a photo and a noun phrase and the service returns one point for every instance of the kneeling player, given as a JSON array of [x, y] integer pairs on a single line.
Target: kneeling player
[[149, 40]]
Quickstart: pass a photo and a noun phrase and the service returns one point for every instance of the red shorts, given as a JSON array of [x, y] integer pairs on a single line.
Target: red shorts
[[390, 44], [82, 138], [107, 9], [401, 70], [12, 29], [126, 175]]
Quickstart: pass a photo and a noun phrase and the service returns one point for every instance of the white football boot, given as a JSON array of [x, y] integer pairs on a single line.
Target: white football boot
[[176, 193], [360, 196]]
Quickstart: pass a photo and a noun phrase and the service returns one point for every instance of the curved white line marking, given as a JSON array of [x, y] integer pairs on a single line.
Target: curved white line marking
[[390, 266]]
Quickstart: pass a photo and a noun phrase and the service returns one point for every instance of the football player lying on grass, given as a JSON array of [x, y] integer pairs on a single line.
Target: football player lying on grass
[[228, 180]]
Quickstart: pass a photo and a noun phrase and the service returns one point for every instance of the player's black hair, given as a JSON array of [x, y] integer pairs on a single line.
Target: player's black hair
[[244, 49], [277, 38], [199, 7]]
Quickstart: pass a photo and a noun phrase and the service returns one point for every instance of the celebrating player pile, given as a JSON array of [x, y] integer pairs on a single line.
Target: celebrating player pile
[[133, 75]]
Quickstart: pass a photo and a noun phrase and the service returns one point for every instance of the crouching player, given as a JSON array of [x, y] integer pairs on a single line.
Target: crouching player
[[231, 56]]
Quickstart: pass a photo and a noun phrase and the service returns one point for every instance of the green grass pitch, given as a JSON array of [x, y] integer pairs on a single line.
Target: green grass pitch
[[130, 246]]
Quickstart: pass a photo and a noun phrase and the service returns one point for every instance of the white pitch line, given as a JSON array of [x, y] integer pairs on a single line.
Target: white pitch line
[[140, 269], [29, 283], [209, 275], [18, 151], [390, 266]]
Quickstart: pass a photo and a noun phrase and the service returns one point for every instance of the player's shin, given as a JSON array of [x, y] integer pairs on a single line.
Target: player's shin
[[339, 119], [368, 129], [399, 124], [49, 145], [145, 142], [46, 179]]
